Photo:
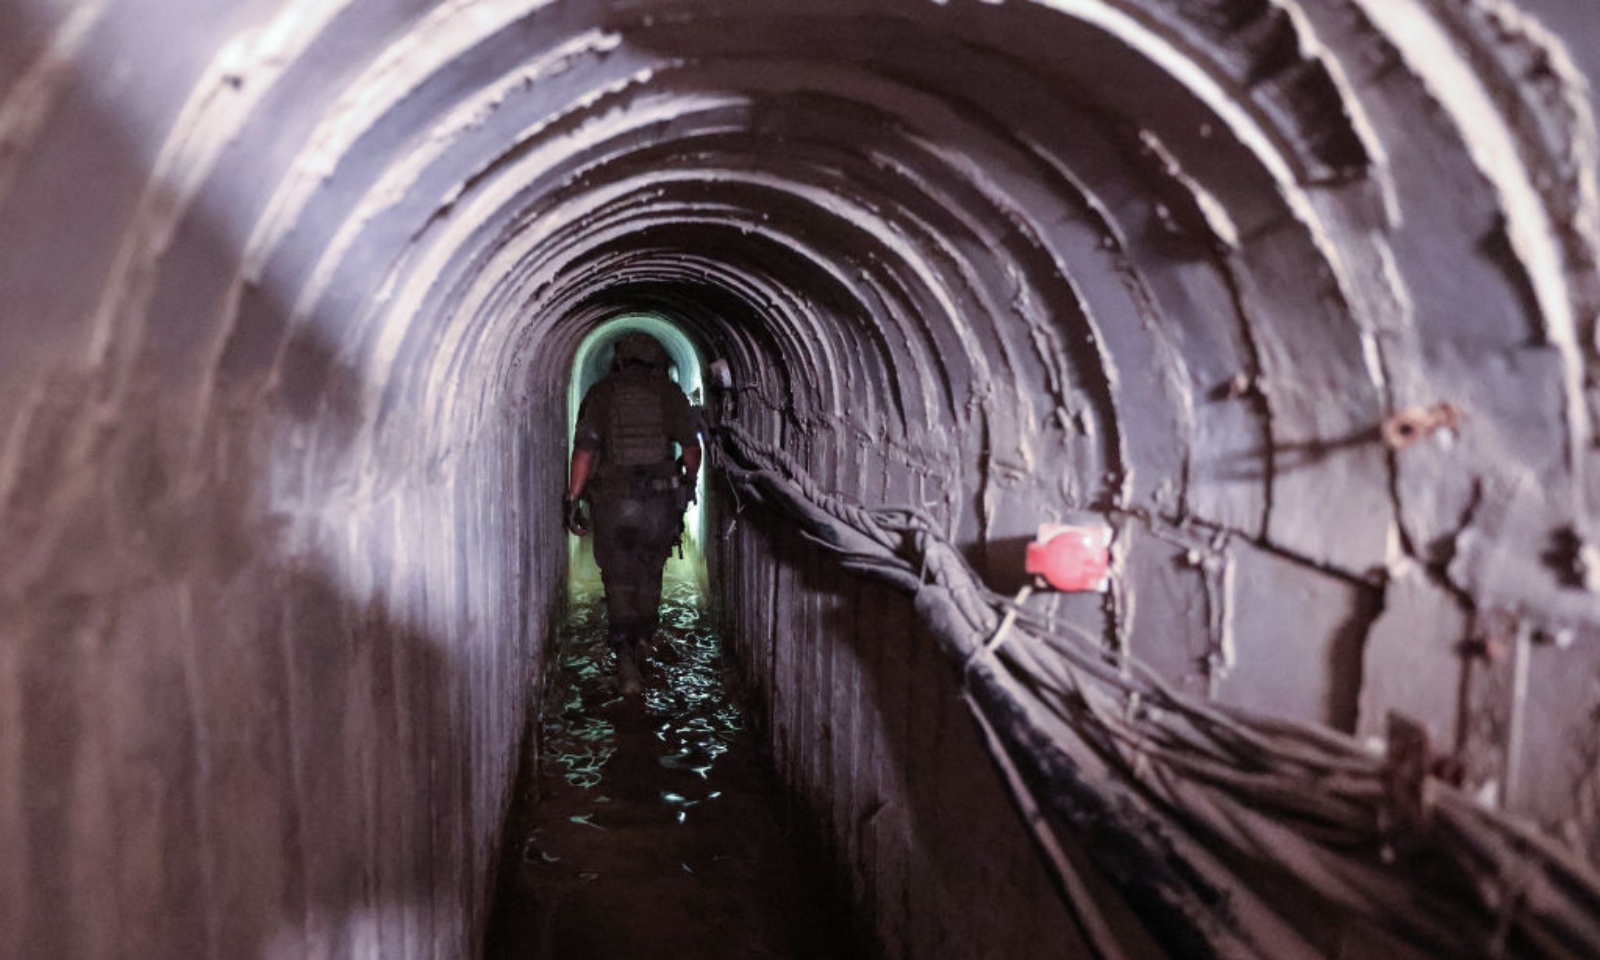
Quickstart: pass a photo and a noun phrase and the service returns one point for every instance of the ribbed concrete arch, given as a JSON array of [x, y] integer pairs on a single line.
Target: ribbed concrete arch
[[290, 295]]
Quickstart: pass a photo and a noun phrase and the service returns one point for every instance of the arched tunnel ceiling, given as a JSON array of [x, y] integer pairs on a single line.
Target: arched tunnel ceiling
[[1175, 266], [1062, 225]]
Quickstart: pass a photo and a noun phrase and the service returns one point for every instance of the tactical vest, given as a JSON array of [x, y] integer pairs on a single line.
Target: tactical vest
[[636, 431]]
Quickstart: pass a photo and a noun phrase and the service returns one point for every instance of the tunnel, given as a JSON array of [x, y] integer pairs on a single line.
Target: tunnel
[[1293, 302]]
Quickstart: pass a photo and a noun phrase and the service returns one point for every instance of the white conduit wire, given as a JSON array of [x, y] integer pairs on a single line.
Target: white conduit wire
[[1215, 825]]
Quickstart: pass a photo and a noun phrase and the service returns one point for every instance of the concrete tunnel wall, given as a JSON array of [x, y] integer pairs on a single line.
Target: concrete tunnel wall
[[289, 293]]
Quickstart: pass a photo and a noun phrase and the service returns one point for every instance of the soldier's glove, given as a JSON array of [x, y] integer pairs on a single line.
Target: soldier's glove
[[573, 516]]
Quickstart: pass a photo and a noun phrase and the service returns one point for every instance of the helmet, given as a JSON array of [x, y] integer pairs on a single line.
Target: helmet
[[641, 349]]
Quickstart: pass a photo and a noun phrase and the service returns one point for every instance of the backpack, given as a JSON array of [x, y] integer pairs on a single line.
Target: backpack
[[636, 427]]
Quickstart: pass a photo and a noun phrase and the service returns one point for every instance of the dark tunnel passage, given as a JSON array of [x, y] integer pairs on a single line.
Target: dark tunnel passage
[[1295, 299]]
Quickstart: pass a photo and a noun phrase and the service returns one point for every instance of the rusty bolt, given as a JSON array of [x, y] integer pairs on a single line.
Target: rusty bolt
[[1239, 385], [1405, 427], [1487, 649]]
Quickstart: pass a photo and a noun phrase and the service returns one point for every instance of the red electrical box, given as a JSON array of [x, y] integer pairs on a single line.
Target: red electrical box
[[1071, 559]]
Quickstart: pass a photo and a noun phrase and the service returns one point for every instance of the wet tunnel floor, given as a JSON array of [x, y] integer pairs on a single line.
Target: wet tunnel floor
[[659, 829]]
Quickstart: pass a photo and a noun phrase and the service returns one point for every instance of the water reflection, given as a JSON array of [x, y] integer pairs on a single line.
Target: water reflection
[[658, 830], [686, 700]]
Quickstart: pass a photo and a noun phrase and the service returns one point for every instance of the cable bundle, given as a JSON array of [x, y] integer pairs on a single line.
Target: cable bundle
[[1229, 835]]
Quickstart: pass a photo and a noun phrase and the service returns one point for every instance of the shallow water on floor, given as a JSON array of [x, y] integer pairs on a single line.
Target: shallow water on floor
[[659, 830], [686, 697]]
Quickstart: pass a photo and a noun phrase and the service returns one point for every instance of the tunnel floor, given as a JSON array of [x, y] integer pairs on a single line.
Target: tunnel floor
[[657, 828]]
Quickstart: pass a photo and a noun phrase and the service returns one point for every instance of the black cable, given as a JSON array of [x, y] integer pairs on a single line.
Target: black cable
[[1252, 787]]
